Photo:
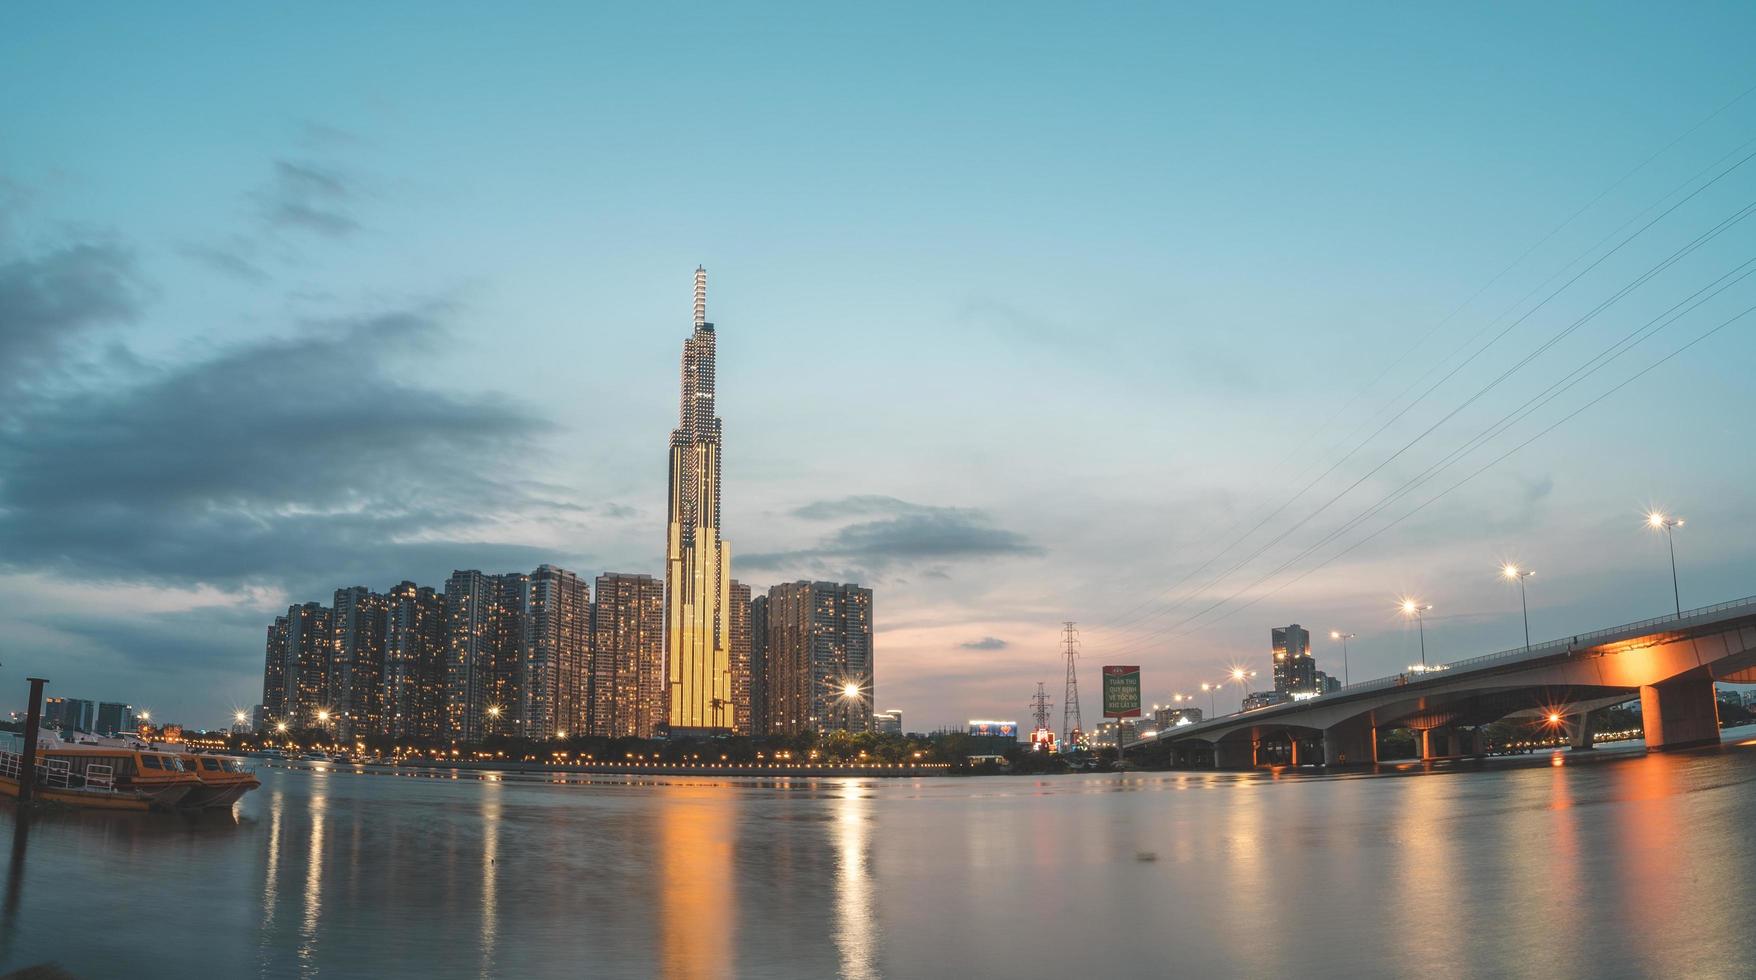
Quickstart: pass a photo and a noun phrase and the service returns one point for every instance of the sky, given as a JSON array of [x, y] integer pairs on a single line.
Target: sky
[[1179, 322]]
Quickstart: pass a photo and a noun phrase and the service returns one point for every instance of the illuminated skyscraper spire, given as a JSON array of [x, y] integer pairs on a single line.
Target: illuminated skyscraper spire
[[700, 297]]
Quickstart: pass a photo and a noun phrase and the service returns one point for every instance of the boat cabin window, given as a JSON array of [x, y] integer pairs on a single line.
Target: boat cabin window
[[151, 762], [212, 765], [172, 763]]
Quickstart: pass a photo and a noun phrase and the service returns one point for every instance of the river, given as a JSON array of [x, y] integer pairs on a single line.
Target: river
[[1603, 864]]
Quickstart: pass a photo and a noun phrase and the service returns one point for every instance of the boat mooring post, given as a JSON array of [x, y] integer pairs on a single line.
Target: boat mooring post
[[33, 720]]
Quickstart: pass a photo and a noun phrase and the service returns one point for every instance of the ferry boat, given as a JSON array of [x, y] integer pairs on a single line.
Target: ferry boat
[[223, 780], [103, 777]]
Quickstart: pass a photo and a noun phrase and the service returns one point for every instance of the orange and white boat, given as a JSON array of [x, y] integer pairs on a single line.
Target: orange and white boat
[[223, 780], [105, 777]]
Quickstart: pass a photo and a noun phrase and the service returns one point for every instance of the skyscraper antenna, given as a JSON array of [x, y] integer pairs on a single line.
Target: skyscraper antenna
[[700, 296]]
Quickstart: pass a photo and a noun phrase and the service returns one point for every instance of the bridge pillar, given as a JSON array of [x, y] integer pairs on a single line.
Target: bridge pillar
[[1351, 743], [1444, 743], [1580, 731], [1681, 713], [1236, 754]]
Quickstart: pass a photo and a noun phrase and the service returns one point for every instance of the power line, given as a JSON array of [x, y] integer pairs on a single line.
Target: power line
[[1676, 256], [1132, 614]]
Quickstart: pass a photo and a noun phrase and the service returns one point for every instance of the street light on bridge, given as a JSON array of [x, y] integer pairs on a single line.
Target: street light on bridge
[[1419, 609], [1343, 637], [1512, 571], [1657, 520]]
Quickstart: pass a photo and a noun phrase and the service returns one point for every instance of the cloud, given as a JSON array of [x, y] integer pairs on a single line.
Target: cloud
[[304, 460], [229, 260], [309, 198], [48, 301], [908, 534], [985, 643]]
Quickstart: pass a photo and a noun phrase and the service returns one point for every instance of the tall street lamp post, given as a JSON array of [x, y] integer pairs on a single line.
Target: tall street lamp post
[[1343, 637], [1419, 609], [1514, 572], [1657, 520]]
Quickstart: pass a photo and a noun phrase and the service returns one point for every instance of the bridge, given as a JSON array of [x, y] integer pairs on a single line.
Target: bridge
[[1670, 663]]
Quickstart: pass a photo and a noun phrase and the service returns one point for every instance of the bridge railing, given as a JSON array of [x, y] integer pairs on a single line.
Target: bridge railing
[[1533, 652]]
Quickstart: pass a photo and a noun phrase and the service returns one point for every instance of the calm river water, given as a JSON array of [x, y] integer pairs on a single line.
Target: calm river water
[[1623, 865]]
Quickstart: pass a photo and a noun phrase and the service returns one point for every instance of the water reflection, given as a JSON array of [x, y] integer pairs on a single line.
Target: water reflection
[[490, 875], [856, 917], [319, 808], [14, 884], [696, 910]]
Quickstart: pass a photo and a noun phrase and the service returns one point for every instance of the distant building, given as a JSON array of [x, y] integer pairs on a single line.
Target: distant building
[[888, 722], [356, 668], [1165, 718], [414, 661], [115, 718], [510, 654], [738, 616], [760, 723], [259, 718], [555, 690], [306, 652], [274, 669], [1327, 684], [628, 656], [1295, 672], [470, 597], [818, 658]]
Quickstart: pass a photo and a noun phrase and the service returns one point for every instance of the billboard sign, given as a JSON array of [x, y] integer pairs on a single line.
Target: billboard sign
[[994, 729], [1122, 691]]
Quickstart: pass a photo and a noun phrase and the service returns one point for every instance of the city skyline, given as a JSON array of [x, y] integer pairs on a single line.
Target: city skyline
[[1015, 345]]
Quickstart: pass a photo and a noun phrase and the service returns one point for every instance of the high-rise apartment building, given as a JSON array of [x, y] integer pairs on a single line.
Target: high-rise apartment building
[[738, 617], [698, 564], [274, 670], [305, 664], [415, 644], [818, 658], [1295, 672], [470, 597], [356, 667], [628, 656], [511, 623], [759, 721], [555, 690]]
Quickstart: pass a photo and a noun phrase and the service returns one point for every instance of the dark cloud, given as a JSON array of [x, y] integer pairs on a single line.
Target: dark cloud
[[48, 301], [910, 534], [985, 643], [309, 198], [861, 505], [306, 461]]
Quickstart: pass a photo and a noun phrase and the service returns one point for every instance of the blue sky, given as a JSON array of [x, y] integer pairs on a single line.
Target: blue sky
[[1025, 312]]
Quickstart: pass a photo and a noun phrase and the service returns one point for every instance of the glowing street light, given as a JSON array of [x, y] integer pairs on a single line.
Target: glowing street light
[[1343, 637], [280, 726], [1657, 520], [1512, 571], [1212, 697], [1418, 609]]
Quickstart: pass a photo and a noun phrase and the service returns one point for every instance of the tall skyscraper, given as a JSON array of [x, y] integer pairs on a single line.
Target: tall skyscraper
[[115, 718], [555, 690], [698, 564], [414, 661], [356, 668], [628, 656], [1295, 672], [759, 719], [818, 655], [738, 616]]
